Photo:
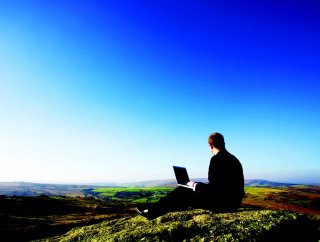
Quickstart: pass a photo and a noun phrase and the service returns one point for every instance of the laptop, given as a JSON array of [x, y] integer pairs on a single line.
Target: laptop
[[181, 176]]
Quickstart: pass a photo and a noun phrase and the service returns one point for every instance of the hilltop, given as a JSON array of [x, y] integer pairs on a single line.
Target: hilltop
[[198, 225]]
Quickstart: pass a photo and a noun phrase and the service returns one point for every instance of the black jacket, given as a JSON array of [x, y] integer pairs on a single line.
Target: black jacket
[[225, 189]]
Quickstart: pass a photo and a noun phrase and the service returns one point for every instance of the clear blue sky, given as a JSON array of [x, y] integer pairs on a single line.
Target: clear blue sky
[[94, 91]]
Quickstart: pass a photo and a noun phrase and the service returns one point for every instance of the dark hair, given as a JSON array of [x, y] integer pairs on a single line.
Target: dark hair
[[217, 140]]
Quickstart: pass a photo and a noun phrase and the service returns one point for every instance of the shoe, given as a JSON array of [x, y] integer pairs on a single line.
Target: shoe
[[145, 213], [142, 212]]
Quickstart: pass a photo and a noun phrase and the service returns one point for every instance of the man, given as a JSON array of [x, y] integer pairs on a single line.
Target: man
[[223, 193]]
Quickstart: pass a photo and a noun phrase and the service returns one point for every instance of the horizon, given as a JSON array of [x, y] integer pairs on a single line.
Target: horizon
[[119, 183], [120, 91]]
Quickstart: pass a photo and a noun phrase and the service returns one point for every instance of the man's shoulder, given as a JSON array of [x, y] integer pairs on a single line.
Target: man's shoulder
[[229, 154], [225, 153], [229, 157]]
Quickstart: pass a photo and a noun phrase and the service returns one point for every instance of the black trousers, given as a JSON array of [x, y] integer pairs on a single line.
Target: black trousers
[[183, 198], [180, 198]]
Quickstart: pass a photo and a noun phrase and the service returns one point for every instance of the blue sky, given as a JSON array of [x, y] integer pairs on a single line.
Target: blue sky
[[94, 91]]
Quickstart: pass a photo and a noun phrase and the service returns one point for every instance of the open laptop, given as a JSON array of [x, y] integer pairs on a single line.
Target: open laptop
[[181, 176]]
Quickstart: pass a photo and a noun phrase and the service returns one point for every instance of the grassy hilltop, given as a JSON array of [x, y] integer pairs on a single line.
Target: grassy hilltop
[[197, 225]]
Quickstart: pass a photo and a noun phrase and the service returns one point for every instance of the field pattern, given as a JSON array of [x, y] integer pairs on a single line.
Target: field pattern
[[302, 199], [130, 194]]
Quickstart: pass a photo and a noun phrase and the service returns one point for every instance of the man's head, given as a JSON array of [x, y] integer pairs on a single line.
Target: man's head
[[216, 143]]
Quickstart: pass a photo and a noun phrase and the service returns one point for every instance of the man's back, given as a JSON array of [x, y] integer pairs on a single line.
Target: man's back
[[226, 180]]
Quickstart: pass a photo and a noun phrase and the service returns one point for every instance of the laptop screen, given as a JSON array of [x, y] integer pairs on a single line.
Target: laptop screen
[[181, 175]]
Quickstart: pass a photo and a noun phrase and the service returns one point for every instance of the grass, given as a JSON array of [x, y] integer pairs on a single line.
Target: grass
[[196, 225]]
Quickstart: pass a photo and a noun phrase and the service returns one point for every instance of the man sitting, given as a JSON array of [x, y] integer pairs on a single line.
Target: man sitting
[[223, 193]]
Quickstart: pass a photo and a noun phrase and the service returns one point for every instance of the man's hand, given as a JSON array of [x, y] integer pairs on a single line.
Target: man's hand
[[192, 184]]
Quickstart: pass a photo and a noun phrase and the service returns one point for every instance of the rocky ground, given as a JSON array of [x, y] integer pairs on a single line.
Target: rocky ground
[[247, 224]]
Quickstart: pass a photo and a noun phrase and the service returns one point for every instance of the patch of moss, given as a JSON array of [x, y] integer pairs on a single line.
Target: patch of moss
[[193, 225]]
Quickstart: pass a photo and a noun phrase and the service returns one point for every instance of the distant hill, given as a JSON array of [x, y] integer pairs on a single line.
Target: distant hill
[[266, 183], [35, 189], [172, 182]]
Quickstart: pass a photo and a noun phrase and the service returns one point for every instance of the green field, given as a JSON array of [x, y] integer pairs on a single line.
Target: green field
[[304, 199], [131, 194]]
